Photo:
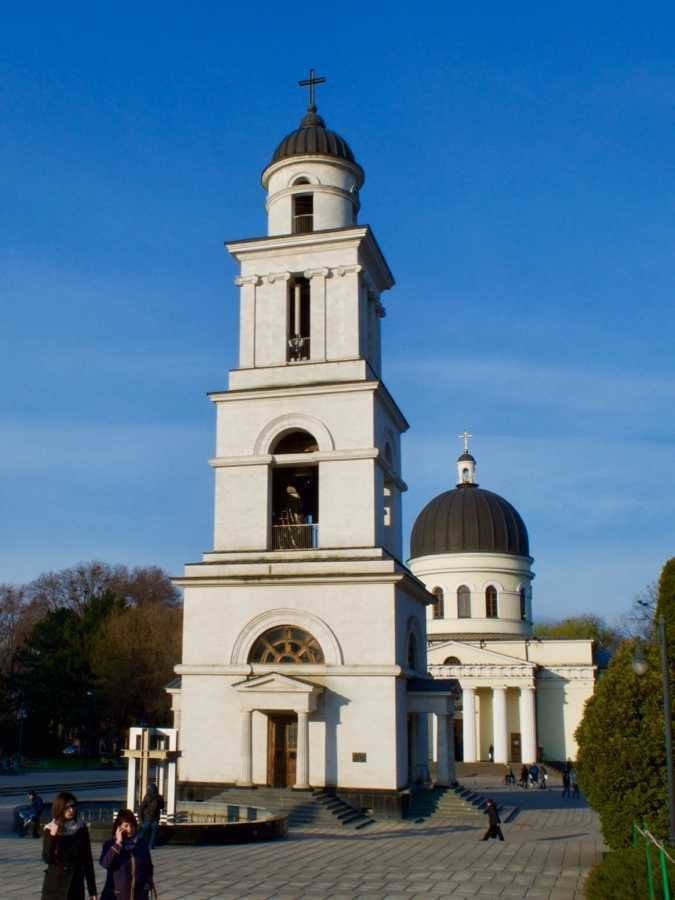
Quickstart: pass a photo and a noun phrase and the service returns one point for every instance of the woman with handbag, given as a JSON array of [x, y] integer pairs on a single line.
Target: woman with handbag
[[127, 858], [67, 851]]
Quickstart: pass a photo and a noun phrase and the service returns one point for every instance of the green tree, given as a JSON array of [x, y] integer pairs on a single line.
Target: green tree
[[621, 759], [589, 627]]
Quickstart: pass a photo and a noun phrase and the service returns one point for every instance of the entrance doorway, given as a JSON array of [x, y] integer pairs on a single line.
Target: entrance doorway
[[282, 749], [516, 752]]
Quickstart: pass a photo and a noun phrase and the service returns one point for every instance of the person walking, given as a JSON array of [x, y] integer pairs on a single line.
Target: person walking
[[494, 822], [28, 817], [524, 776], [566, 785], [543, 780], [574, 784], [66, 849], [509, 778], [151, 807], [126, 857]]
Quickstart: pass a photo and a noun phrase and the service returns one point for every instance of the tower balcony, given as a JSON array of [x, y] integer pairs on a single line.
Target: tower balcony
[[295, 537]]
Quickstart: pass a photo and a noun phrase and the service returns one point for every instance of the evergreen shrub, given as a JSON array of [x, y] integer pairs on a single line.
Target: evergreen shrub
[[622, 875]]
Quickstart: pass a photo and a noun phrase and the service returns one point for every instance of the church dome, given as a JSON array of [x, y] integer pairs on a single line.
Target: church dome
[[468, 519], [312, 137]]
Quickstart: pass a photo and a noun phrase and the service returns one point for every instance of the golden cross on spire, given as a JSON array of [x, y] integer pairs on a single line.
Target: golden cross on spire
[[465, 435], [311, 83]]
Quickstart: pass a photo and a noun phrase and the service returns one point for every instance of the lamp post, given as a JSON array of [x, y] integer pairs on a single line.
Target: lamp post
[[640, 668]]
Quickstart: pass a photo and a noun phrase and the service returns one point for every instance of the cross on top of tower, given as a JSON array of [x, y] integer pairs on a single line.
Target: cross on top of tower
[[465, 435], [311, 84]]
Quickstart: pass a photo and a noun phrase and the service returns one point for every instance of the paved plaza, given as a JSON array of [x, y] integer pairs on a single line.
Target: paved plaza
[[550, 845]]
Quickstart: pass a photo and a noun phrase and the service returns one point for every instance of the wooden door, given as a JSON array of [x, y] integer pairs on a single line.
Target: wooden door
[[516, 753], [282, 748]]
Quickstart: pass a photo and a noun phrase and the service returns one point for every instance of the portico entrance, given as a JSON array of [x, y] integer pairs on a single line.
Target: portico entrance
[[282, 749]]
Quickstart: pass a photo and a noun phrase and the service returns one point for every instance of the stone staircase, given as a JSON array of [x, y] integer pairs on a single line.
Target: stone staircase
[[451, 805], [304, 809]]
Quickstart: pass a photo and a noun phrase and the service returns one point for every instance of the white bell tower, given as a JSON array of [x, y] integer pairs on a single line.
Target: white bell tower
[[303, 609]]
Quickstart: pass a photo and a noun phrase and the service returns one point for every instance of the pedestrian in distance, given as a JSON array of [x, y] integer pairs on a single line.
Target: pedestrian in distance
[[543, 779], [29, 816], [126, 857], [491, 753], [509, 778], [494, 822], [566, 785], [524, 776], [66, 849], [151, 807], [574, 784], [534, 774]]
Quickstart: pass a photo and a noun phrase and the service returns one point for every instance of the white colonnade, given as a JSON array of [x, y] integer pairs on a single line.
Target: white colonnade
[[500, 722]]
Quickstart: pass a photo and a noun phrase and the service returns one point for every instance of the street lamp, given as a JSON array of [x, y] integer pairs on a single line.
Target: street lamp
[[640, 668]]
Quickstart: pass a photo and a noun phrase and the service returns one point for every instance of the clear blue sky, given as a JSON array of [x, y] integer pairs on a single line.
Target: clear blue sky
[[519, 178]]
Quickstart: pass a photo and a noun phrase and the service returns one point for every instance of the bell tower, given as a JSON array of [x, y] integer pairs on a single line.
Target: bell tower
[[316, 463], [302, 612]]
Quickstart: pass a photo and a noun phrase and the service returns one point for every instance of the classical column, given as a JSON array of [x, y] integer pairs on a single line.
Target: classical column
[[469, 723], [317, 312], [245, 779], [248, 285], [499, 726], [528, 728], [302, 758], [442, 750]]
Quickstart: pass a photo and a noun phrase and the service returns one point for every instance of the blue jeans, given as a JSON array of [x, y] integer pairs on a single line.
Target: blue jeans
[[149, 828]]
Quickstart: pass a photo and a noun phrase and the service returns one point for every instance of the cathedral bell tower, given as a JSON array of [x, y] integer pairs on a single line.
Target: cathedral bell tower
[[304, 637]]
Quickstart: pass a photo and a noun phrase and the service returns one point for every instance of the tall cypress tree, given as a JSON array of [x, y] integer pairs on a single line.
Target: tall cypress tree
[[621, 760]]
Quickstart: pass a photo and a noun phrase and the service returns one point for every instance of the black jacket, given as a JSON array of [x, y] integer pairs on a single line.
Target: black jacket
[[69, 865], [151, 807], [493, 815]]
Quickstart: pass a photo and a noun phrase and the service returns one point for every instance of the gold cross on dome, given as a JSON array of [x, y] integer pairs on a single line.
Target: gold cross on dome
[[465, 435], [311, 83]]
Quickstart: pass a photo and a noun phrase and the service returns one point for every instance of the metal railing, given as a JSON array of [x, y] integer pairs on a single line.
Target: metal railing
[[295, 537], [649, 842], [303, 223]]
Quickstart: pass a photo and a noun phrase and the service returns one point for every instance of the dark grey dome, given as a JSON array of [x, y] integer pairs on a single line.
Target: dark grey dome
[[469, 519], [313, 137]]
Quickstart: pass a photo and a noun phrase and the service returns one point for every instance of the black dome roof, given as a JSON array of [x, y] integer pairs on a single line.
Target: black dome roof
[[313, 137], [469, 519]]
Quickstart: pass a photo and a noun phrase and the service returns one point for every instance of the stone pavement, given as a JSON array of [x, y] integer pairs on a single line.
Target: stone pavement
[[549, 846]]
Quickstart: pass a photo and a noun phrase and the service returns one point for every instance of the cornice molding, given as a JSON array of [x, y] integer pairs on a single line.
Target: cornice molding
[[241, 280]]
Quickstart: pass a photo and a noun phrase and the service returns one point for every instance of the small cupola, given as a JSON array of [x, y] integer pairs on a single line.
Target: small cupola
[[313, 179], [466, 464]]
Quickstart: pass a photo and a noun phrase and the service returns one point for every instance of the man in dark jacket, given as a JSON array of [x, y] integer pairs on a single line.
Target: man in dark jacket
[[151, 807], [29, 816], [494, 828]]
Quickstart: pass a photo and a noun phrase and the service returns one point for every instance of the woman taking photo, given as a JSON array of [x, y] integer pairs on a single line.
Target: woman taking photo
[[127, 859], [67, 851]]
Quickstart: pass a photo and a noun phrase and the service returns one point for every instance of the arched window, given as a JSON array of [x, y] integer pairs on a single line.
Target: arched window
[[301, 180], [491, 602], [437, 609], [286, 644], [296, 442], [523, 603], [452, 661], [412, 651], [463, 602]]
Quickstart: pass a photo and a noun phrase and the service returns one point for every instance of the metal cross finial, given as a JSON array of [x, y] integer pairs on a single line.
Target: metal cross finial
[[465, 435], [311, 83]]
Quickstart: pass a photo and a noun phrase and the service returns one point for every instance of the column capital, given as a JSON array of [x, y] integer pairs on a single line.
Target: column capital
[[341, 271], [316, 273], [271, 277], [241, 280]]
